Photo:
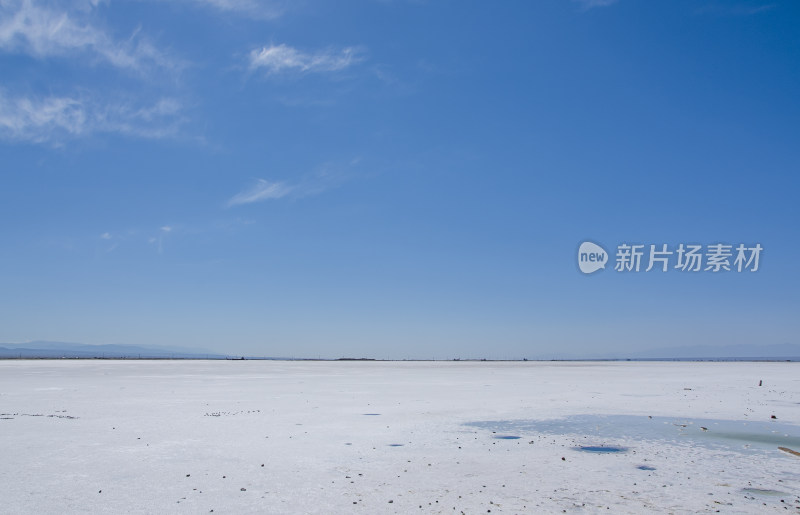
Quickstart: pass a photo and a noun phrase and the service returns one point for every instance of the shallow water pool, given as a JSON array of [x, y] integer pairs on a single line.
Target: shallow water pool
[[740, 435]]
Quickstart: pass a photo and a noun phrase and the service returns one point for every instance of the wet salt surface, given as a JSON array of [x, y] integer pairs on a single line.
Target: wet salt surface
[[737, 435], [761, 491], [601, 449]]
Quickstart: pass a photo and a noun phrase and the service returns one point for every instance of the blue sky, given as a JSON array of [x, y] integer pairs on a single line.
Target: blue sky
[[395, 178]]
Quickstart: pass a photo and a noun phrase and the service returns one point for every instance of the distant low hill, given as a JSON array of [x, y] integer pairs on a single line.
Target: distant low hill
[[81, 350]]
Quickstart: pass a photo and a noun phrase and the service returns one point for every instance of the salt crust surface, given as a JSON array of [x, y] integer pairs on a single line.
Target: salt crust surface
[[84, 436]]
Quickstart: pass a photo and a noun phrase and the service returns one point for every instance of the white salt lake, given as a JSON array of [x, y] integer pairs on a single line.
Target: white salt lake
[[398, 437]]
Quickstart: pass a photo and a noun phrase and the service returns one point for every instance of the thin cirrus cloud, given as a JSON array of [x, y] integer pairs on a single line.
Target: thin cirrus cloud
[[261, 190], [275, 59], [30, 28], [325, 177], [56, 118]]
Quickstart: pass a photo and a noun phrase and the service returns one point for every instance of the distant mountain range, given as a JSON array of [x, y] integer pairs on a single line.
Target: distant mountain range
[[43, 350], [80, 350]]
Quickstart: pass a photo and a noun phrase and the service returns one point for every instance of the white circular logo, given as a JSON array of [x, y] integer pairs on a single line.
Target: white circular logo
[[591, 257]]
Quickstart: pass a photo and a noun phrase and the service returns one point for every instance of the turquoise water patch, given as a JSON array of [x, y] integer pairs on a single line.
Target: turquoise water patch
[[739, 435], [600, 448], [764, 491]]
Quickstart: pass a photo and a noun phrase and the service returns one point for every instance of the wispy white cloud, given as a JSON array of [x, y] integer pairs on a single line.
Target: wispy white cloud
[[261, 190], [282, 58], [35, 29], [323, 178], [155, 121], [37, 119], [158, 238], [56, 118]]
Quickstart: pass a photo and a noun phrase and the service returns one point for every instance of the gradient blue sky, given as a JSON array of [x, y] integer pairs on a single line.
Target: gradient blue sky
[[395, 178]]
